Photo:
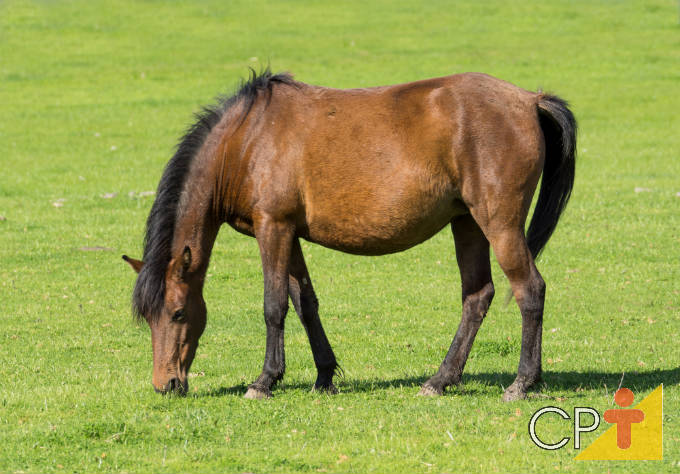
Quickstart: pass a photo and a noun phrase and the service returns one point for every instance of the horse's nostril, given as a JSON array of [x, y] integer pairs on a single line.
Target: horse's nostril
[[173, 385], [176, 386]]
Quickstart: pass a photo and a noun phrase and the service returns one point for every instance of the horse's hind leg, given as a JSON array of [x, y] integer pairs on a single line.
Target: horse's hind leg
[[275, 240], [528, 287], [307, 307], [472, 253]]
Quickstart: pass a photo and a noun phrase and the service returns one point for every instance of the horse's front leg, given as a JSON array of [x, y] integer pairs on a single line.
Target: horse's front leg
[[275, 241], [307, 307]]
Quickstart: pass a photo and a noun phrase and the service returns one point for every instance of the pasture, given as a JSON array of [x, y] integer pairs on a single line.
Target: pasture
[[93, 98]]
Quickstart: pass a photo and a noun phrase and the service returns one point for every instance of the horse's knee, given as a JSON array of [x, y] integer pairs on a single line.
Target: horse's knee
[[311, 302], [275, 310]]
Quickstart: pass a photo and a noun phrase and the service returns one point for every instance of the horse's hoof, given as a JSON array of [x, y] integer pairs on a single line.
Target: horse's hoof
[[514, 393], [257, 394], [327, 389], [429, 391]]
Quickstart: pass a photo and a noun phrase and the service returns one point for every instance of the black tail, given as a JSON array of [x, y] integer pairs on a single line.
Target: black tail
[[559, 130]]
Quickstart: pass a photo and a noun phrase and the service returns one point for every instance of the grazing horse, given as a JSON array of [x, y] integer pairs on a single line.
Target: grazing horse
[[365, 171]]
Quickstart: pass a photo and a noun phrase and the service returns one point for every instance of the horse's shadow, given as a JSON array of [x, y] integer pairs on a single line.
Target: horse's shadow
[[571, 381]]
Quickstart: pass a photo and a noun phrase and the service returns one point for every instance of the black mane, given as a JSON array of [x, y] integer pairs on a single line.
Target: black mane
[[149, 293]]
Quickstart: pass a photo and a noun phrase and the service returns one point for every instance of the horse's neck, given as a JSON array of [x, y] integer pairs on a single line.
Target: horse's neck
[[205, 202]]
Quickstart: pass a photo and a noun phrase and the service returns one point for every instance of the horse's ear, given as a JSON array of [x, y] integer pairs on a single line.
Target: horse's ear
[[181, 266], [134, 263], [186, 258]]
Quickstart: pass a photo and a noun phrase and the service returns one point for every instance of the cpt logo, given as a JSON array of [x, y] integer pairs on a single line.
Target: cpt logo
[[636, 432]]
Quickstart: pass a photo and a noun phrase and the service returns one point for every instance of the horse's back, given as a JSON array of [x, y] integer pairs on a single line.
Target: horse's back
[[379, 170]]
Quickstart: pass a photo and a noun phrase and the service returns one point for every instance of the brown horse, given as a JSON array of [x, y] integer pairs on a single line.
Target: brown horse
[[365, 171]]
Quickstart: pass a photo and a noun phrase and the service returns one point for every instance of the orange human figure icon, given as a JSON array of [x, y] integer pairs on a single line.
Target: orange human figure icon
[[623, 417]]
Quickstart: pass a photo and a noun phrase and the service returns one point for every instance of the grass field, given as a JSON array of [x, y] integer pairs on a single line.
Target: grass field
[[93, 96]]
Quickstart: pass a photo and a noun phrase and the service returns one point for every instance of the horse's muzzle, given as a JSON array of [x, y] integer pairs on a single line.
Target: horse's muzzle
[[174, 386]]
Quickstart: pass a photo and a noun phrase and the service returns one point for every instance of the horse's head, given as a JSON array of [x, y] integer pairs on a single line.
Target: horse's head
[[176, 328]]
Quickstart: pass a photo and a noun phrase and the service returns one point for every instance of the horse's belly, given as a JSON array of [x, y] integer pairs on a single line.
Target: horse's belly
[[380, 229]]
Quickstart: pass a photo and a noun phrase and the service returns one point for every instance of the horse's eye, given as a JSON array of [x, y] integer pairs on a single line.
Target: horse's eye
[[178, 316]]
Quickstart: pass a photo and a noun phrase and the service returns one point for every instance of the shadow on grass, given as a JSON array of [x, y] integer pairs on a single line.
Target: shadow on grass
[[552, 381], [239, 389]]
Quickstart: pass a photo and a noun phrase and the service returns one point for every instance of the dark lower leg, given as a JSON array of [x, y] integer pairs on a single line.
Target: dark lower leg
[[275, 241], [307, 307], [451, 369], [531, 307], [472, 254], [529, 290], [275, 359]]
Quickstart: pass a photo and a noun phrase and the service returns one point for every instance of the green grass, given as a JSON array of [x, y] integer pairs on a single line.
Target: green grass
[[93, 96]]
